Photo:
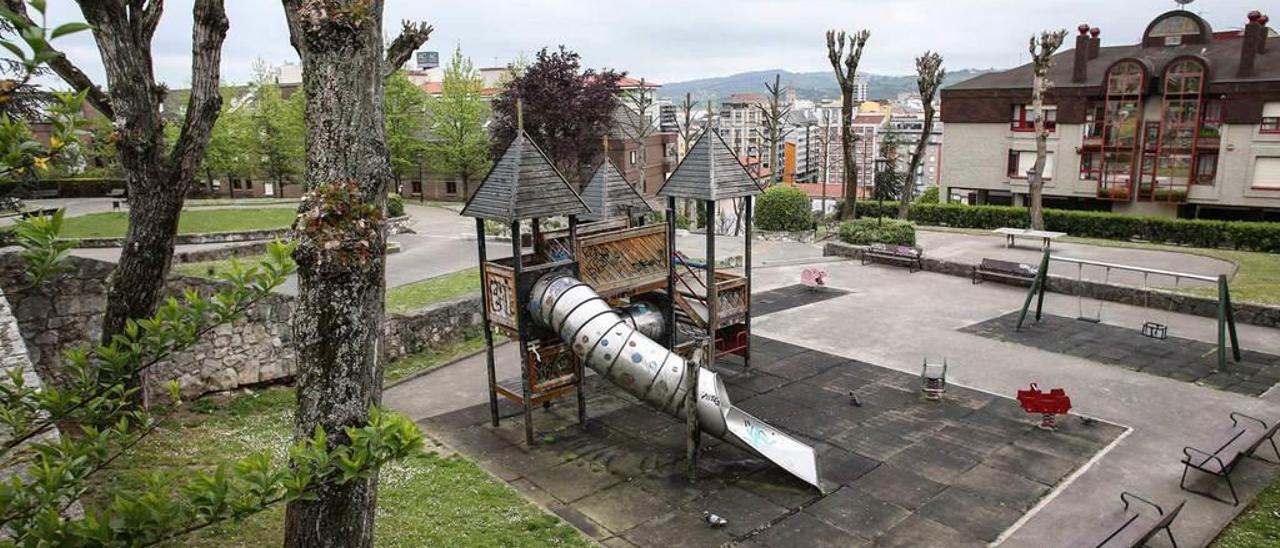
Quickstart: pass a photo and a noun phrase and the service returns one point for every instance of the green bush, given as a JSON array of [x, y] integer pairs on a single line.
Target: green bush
[[929, 196], [784, 208], [874, 231], [395, 205]]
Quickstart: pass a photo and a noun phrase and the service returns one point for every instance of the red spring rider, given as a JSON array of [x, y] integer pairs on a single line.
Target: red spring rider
[[1047, 404]]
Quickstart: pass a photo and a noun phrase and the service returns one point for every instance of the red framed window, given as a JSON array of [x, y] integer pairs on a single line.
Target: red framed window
[[1121, 129], [1270, 118], [1094, 118], [1206, 168], [1181, 128], [1023, 118], [1090, 166], [1021, 161]]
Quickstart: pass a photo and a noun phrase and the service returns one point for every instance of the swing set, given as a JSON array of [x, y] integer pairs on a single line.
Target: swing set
[[1153, 328]]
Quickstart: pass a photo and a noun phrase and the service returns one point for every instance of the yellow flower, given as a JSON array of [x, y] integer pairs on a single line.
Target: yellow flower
[[41, 163], [55, 143]]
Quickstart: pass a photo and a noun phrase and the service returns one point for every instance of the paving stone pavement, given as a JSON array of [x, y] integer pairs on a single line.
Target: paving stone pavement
[[1175, 357], [896, 470]]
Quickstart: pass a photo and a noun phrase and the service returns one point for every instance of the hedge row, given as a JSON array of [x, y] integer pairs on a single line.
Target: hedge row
[[871, 231], [1249, 236]]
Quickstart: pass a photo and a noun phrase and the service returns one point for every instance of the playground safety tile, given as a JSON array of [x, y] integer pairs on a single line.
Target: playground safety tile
[[900, 486], [1006, 488], [680, 527], [622, 506], [805, 530], [876, 443], [843, 467], [573, 480], [967, 512], [783, 489], [918, 531], [1029, 463], [791, 296], [745, 510], [857, 512], [936, 460]]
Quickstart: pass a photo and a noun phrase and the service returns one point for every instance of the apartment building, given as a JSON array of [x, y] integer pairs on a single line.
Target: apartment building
[[741, 124], [1185, 122], [907, 124]]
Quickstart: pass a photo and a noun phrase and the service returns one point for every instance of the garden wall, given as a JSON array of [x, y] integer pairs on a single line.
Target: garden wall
[[1250, 313], [256, 349]]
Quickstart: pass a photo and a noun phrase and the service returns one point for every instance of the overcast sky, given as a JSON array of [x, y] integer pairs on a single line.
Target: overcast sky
[[673, 40]]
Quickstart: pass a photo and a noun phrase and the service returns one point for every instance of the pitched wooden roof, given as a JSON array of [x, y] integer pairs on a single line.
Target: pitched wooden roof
[[710, 171], [610, 196], [523, 184]]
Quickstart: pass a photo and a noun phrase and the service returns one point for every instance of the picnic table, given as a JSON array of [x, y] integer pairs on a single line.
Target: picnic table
[[1011, 234]]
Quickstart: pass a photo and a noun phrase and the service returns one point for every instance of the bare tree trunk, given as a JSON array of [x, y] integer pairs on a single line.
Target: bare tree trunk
[[846, 69], [1041, 59], [341, 247], [929, 77]]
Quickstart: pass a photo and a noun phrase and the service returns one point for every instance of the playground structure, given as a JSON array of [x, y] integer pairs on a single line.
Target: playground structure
[[614, 296], [1151, 327]]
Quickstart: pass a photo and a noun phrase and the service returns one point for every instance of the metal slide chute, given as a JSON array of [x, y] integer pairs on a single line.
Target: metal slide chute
[[610, 345]]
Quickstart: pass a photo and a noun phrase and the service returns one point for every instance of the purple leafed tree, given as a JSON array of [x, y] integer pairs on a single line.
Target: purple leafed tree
[[567, 110]]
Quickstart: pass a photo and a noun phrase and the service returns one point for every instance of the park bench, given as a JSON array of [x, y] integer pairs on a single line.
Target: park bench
[[912, 256], [1239, 442], [45, 212], [44, 193], [1003, 270], [1012, 234], [1127, 527]]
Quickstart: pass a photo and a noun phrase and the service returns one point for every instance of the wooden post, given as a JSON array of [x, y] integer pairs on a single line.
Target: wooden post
[[671, 272], [692, 432], [577, 274], [746, 271], [523, 330], [488, 328]]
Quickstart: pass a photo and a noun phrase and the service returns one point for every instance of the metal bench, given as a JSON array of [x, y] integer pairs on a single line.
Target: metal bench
[[45, 212], [1011, 234], [1003, 271], [1129, 528], [912, 256], [43, 193], [1238, 443]]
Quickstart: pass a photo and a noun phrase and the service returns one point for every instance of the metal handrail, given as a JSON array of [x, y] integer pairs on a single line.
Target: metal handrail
[[1131, 268]]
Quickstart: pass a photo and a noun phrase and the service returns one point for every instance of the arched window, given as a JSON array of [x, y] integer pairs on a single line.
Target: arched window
[[1177, 150], [1122, 123]]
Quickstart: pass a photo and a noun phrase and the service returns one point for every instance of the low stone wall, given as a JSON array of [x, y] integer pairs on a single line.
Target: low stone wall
[[801, 236], [1250, 313], [432, 326], [255, 349], [194, 239]]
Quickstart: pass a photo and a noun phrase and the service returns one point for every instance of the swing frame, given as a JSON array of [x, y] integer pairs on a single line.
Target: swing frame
[[1226, 317]]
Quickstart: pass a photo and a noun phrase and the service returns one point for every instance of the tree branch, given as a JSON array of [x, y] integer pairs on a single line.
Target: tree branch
[[69, 73], [151, 18], [209, 29], [412, 36]]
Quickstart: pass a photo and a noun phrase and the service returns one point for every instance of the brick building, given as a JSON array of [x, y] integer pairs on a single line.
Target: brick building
[[1184, 122]]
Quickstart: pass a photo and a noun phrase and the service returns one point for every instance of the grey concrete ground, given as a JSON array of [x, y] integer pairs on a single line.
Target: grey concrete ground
[[894, 319]]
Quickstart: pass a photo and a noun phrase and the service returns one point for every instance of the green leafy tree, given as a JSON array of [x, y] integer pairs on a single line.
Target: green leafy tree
[[278, 130], [459, 144], [231, 143], [405, 117]]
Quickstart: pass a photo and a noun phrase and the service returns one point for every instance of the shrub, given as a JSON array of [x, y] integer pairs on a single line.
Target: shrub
[[784, 208], [929, 196], [395, 205], [875, 231]]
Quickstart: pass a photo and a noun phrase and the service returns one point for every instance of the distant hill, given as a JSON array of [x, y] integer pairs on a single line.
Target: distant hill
[[808, 85]]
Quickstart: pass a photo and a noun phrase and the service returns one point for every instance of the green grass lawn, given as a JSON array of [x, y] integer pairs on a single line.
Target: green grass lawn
[[1257, 277], [113, 224], [214, 269], [409, 297], [210, 202], [427, 500], [1257, 526]]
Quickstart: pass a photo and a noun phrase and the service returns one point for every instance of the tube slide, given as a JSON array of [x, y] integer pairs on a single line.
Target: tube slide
[[614, 348]]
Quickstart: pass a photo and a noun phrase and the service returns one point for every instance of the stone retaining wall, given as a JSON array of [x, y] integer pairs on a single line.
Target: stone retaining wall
[[1182, 303], [255, 349], [194, 239]]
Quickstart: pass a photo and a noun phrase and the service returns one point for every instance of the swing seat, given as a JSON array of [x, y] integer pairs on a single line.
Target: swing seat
[[1155, 330]]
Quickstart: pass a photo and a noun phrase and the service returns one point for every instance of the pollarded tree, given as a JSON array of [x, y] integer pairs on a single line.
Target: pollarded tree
[[1042, 51], [846, 69], [406, 123], [157, 176], [567, 110], [341, 246], [458, 142], [774, 129], [636, 124], [929, 77]]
